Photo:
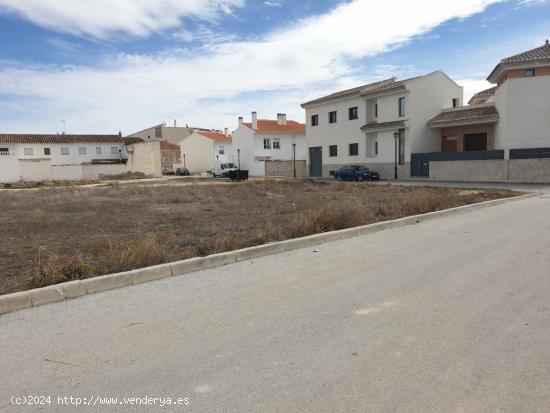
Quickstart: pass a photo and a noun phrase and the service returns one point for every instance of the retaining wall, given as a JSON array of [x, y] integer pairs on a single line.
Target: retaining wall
[[513, 170], [285, 168]]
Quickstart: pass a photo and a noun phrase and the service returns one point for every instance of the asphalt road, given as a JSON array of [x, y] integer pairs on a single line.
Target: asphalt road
[[448, 315]]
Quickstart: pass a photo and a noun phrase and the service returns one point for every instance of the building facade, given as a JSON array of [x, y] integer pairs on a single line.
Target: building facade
[[264, 140], [35, 157], [171, 134], [170, 155], [203, 150], [357, 126], [513, 114]]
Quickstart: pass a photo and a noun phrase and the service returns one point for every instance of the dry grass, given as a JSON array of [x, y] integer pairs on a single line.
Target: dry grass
[[118, 255], [60, 234], [52, 269], [326, 219]]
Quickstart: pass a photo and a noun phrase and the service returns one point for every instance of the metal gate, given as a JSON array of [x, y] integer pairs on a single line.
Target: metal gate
[[316, 161], [420, 164]]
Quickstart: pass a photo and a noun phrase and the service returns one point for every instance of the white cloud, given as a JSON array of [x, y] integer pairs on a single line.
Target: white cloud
[[101, 18], [472, 86], [211, 85], [273, 3], [533, 2]]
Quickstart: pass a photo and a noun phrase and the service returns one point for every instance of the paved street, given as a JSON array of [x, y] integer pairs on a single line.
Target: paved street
[[451, 314]]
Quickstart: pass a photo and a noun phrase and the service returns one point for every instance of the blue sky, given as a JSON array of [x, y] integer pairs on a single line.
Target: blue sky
[[106, 65]]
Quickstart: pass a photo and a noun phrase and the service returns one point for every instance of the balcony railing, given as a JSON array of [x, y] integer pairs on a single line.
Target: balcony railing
[[3, 153]]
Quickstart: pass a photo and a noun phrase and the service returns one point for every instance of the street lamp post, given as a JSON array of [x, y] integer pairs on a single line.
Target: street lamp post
[[294, 158], [184, 161], [396, 138], [239, 158]]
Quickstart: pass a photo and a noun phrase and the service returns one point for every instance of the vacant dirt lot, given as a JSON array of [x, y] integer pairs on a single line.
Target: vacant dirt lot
[[58, 234]]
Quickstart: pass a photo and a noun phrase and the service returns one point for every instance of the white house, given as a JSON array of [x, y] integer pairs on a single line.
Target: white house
[[204, 150], [357, 126], [37, 157], [264, 140]]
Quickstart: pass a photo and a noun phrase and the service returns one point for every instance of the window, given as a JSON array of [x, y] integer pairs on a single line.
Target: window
[[332, 117], [333, 150], [314, 120], [401, 106], [47, 151], [28, 151], [82, 151], [353, 149], [401, 146], [455, 102], [267, 143], [114, 150], [64, 151], [376, 110], [529, 72], [376, 148], [4, 150], [158, 132], [98, 150], [276, 143], [221, 150], [353, 113]]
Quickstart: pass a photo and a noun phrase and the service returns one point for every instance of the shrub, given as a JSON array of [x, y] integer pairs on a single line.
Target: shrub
[[120, 255], [54, 269], [325, 219]]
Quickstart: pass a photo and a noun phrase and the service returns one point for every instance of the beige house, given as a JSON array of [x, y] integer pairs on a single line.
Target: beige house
[[513, 114], [171, 134], [204, 150]]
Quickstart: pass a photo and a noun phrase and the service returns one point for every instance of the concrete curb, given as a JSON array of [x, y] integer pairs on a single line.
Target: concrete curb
[[73, 289]]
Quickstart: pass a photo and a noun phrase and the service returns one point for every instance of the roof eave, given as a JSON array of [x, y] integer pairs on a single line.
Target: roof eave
[[525, 64], [486, 120], [382, 128], [384, 92]]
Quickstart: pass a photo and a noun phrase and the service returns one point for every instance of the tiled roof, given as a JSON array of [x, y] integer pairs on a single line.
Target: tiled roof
[[372, 89], [373, 126], [268, 126], [483, 94], [166, 146], [542, 52], [355, 90], [534, 56], [14, 138], [465, 115], [392, 87], [216, 136]]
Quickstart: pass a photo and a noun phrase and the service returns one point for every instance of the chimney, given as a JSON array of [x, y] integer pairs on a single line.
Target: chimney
[[254, 120], [175, 123], [283, 118], [546, 42], [279, 119], [226, 132], [240, 120], [120, 133]]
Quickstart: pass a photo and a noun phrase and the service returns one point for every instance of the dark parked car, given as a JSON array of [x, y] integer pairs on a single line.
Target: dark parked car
[[168, 171], [356, 173], [182, 171]]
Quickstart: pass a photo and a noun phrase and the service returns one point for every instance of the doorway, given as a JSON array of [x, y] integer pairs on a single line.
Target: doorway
[[316, 161], [475, 142]]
